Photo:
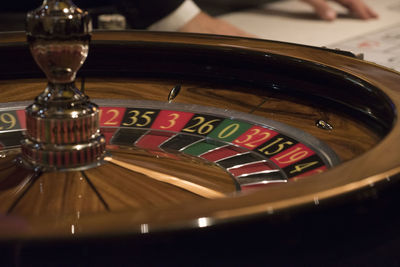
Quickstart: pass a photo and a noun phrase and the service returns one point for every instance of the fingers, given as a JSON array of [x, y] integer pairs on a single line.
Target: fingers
[[203, 23], [323, 10], [357, 7]]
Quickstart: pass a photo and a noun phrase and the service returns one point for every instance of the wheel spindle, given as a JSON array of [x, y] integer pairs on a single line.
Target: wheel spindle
[[62, 124]]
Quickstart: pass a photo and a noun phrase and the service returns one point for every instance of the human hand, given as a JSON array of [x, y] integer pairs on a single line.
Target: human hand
[[357, 7], [203, 23]]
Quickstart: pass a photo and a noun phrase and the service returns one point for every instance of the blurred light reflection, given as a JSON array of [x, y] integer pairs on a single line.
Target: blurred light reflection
[[203, 222], [144, 228], [166, 178]]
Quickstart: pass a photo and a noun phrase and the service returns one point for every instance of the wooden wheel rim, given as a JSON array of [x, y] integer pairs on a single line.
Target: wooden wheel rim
[[381, 164]]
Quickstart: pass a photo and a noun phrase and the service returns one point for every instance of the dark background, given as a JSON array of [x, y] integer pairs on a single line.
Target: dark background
[[139, 13]]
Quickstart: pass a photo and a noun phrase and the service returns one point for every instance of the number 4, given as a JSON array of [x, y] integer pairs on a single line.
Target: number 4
[[301, 167]]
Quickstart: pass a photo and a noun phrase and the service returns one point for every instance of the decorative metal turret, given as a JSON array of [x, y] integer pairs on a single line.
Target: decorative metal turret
[[62, 124]]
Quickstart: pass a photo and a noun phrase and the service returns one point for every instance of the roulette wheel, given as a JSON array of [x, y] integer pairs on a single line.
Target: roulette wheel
[[193, 148]]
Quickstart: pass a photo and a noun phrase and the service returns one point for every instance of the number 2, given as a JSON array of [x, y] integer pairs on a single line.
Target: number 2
[[111, 121]]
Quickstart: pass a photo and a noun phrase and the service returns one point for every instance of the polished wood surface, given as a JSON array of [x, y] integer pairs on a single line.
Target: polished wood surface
[[58, 195], [125, 182], [348, 138], [370, 157], [129, 181], [14, 181]]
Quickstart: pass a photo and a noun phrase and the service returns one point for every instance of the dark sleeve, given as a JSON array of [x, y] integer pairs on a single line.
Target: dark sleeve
[[139, 13], [142, 13], [19, 6]]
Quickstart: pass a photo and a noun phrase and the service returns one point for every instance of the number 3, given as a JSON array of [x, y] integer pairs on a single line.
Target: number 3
[[172, 121]]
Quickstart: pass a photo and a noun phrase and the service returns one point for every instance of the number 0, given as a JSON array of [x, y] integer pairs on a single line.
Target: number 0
[[228, 131]]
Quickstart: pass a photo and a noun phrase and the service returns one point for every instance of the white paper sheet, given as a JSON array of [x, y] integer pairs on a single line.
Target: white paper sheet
[[294, 21]]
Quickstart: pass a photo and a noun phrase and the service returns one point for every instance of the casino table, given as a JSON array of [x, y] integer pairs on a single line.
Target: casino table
[[220, 150]]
